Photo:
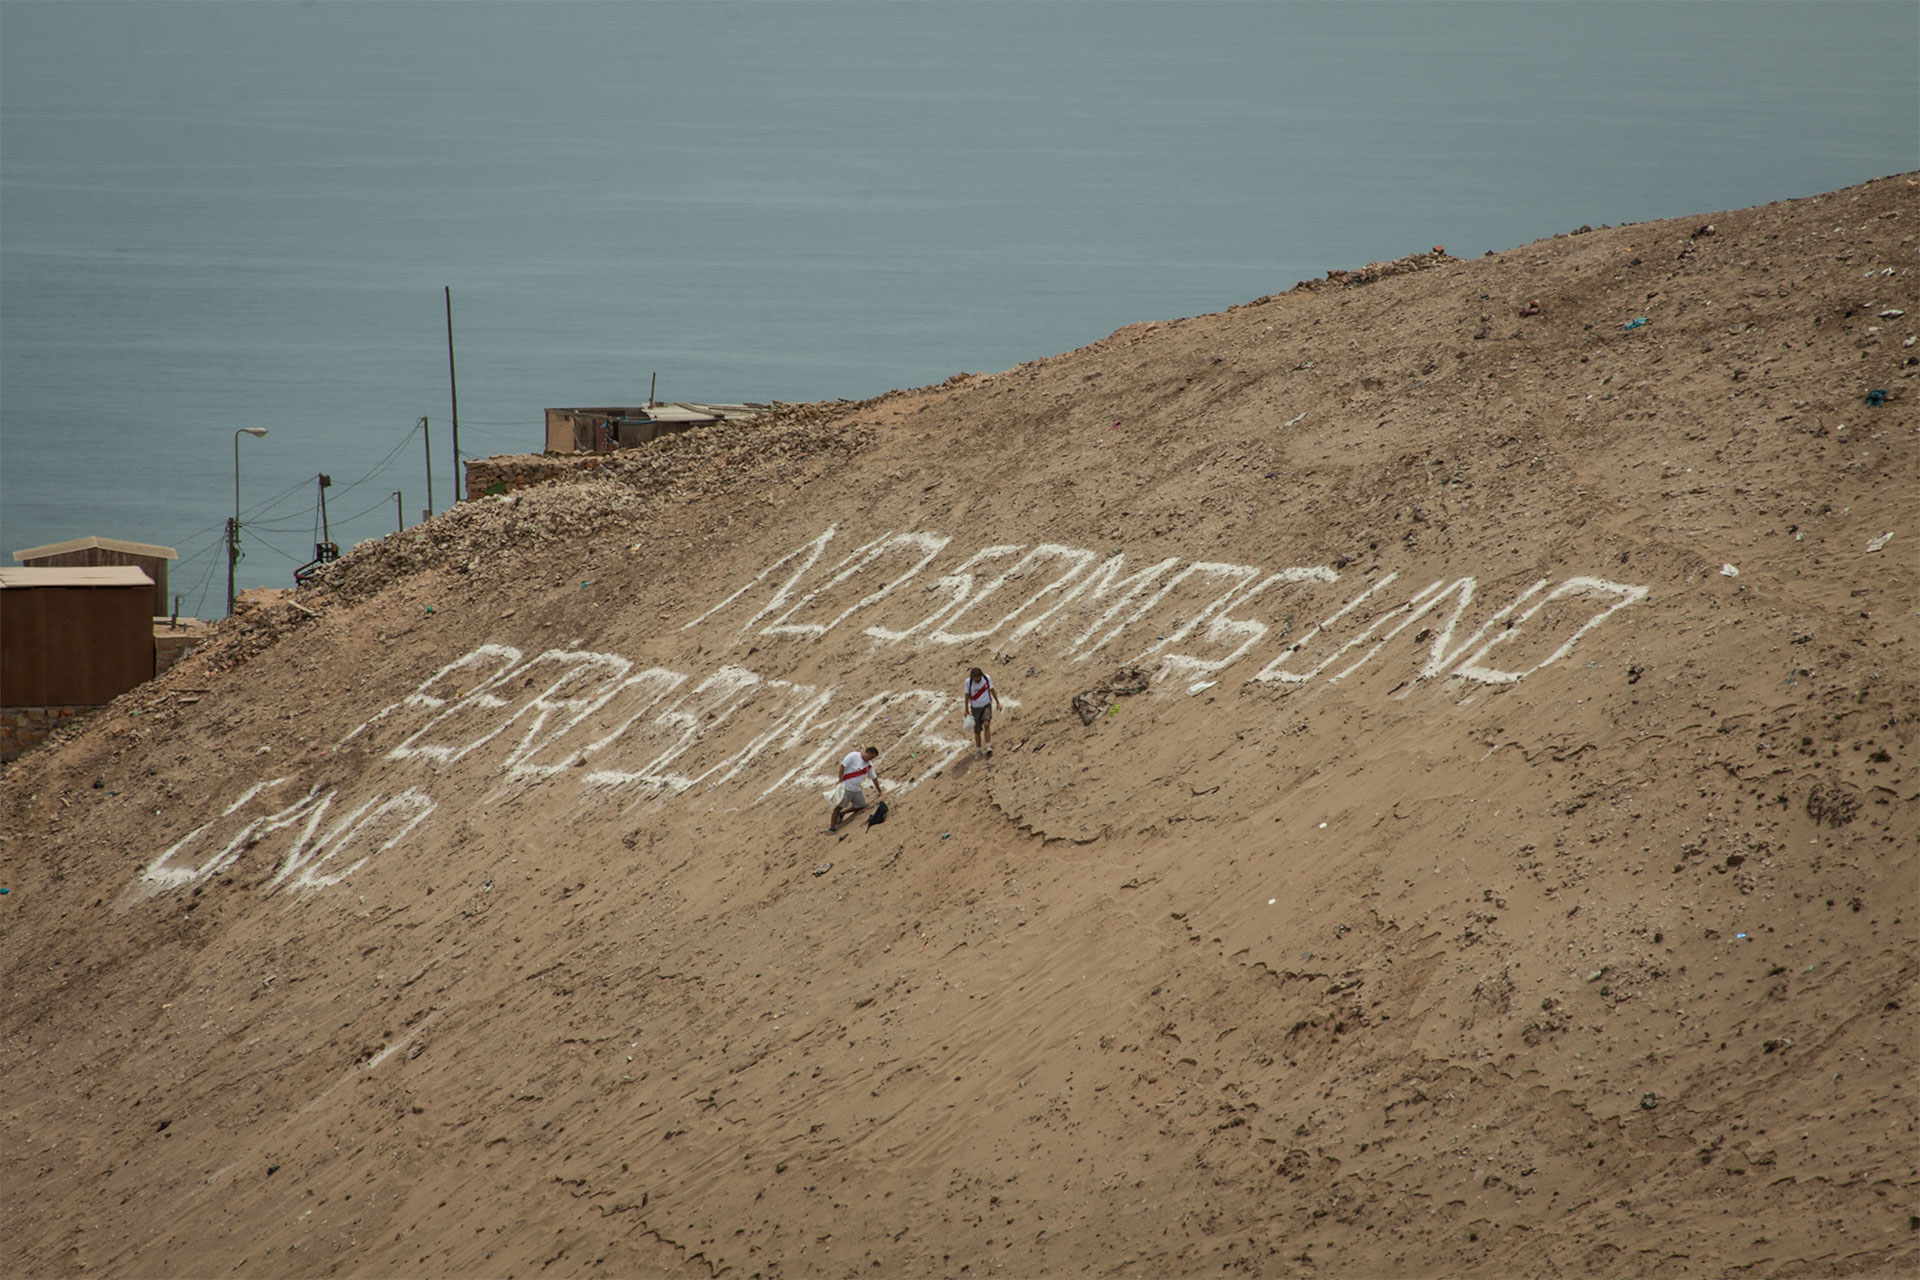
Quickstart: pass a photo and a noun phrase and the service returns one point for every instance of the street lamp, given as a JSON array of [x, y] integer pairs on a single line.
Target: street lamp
[[233, 525]]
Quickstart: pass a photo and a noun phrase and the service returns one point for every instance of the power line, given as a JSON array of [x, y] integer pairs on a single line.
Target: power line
[[206, 580], [261, 508], [369, 511], [276, 550], [384, 463]]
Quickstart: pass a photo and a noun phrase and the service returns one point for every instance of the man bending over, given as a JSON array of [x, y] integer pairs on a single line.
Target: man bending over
[[855, 771]]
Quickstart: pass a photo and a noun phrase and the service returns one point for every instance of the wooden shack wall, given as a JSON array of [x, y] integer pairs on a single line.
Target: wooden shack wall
[[73, 646], [155, 566]]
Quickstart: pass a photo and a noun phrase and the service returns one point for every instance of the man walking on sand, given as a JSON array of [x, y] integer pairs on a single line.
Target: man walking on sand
[[855, 770], [980, 701]]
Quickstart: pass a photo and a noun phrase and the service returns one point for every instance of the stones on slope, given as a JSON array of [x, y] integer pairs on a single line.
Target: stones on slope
[[1832, 803], [1374, 271], [1099, 700], [567, 499]]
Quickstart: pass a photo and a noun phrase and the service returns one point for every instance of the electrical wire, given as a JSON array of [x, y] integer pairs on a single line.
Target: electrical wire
[[261, 508], [384, 463], [206, 580], [369, 511], [277, 550]]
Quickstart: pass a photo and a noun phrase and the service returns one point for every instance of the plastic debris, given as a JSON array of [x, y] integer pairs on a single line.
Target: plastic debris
[[1892, 313], [1880, 542], [1636, 322], [1728, 571], [1200, 687], [1877, 396]]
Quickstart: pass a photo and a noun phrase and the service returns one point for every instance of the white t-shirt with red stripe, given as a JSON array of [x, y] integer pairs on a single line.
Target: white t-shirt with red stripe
[[854, 771], [980, 694]]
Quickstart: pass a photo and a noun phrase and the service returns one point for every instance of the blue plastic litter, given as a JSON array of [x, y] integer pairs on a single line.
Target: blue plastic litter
[[1877, 396], [1635, 323]]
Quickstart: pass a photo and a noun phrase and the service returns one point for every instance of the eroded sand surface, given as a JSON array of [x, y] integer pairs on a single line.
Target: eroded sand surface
[[1508, 868]]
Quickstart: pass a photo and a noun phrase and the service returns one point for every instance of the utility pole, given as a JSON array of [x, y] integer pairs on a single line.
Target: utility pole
[[233, 525], [399, 512], [233, 558], [427, 436], [453, 385]]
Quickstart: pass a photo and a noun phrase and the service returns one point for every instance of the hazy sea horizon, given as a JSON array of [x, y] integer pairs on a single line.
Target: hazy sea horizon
[[220, 215]]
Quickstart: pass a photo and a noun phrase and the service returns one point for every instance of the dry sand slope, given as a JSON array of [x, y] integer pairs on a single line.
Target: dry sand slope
[[1456, 871]]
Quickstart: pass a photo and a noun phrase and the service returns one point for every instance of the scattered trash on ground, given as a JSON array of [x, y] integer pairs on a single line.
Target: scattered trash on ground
[[1877, 396], [1121, 684], [1728, 571], [1880, 542]]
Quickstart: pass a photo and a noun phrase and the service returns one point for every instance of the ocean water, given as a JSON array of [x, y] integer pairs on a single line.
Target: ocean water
[[216, 216]]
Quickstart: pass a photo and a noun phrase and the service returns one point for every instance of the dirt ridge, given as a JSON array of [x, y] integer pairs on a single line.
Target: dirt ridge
[[1508, 865]]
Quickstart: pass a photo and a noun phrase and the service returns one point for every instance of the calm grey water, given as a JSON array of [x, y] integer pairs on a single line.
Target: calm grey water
[[224, 215]]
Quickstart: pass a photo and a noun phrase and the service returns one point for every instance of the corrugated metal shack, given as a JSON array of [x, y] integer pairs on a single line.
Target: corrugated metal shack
[[95, 552], [605, 429]]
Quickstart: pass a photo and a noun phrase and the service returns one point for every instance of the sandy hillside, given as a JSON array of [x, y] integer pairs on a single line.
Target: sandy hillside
[[1455, 811]]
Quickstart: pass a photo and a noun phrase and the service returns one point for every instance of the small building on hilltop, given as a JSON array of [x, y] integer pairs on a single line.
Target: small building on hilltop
[[96, 552], [71, 639], [606, 429]]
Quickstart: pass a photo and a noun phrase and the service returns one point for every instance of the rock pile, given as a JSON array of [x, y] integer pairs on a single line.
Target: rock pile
[[1373, 271], [602, 494]]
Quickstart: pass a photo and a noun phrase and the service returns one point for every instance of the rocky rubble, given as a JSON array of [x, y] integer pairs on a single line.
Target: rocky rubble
[[603, 494]]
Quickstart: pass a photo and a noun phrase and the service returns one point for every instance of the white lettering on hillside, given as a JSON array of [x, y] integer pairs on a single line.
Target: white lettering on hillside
[[375, 825], [610, 733]]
